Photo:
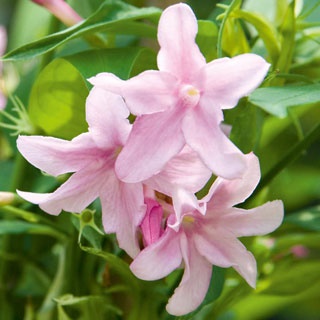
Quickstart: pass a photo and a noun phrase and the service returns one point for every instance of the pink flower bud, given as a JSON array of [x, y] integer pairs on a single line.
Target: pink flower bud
[[151, 225], [61, 10]]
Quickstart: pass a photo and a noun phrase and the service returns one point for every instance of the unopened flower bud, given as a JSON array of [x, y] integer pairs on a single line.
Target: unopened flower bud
[[61, 10]]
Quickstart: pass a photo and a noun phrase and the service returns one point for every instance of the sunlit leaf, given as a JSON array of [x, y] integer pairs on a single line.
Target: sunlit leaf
[[276, 100], [57, 100]]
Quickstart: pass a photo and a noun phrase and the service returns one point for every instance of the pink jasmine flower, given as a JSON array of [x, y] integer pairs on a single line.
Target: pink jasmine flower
[[61, 10], [91, 156], [182, 102], [202, 240], [3, 45]]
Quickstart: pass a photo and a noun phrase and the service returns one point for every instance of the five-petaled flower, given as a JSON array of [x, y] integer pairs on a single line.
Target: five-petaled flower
[[202, 239], [183, 102]]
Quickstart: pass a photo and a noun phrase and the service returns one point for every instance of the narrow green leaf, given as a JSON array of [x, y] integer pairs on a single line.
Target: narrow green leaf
[[20, 227], [86, 307], [113, 17], [276, 100], [265, 30], [288, 30]]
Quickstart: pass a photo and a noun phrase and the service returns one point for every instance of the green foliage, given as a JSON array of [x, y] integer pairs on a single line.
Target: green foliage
[[113, 17]]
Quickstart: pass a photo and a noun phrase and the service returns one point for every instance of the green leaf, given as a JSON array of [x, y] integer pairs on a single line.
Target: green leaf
[[288, 30], [20, 227], [308, 218], [123, 62], [265, 30], [207, 39], [57, 100], [276, 100], [113, 17], [247, 127]]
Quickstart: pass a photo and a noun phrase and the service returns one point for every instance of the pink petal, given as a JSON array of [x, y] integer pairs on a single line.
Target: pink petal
[[185, 170], [3, 40], [204, 135], [108, 81], [151, 225], [195, 281], [159, 259], [227, 193], [153, 141], [106, 115], [225, 81], [179, 53], [57, 156], [184, 203], [257, 221], [81, 189], [224, 250], [149, 92], [122, 212]]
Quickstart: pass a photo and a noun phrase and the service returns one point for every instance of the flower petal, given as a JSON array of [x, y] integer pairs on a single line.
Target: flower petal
[[81, 189], [57, 156], [185, 170], [122, 212], [227, 193], [225, 81], [257, 221], [108, 81], [153, 141], [204, 135], [195, 281], [151, 225], [226, 251], [106, 114], [179, 53], [185, 202], [149, 92], [159, 259]]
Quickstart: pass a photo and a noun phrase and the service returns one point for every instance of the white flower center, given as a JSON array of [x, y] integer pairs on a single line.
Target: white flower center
[[189, 96]]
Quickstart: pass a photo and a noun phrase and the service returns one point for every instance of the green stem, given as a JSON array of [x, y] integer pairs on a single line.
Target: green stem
[[292, 155], [232, 6]]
